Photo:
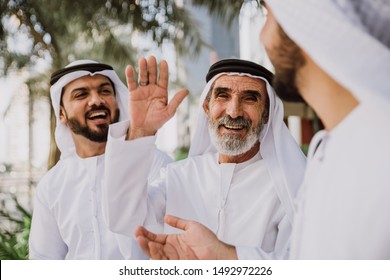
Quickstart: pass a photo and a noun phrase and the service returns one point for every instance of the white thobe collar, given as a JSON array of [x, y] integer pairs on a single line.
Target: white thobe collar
[[92, 164], [242, 165]]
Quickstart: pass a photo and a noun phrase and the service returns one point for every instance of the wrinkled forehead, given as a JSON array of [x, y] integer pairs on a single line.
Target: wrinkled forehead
[[240, 83]]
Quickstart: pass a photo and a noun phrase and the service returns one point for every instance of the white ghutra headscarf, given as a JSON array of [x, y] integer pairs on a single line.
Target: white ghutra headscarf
[[71, 72], [284, 158], [348, 39]]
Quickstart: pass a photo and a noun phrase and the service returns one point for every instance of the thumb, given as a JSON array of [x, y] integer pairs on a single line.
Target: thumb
[[176, 101], [176, 222]]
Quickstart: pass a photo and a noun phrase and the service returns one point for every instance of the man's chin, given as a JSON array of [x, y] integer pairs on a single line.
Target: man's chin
[[95, 137], [98, 134]]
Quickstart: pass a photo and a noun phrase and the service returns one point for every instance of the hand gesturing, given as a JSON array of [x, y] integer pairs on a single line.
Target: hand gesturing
[[148, 103], [196, 242]]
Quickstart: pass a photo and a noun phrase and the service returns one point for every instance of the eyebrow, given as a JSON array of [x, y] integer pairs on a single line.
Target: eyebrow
[[221, 89], [253, 92], [246, 92], [99, 87]]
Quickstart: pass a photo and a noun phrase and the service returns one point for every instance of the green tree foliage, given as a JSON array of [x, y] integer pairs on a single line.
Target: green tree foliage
[[60, 31], [69, 29], [14, 234]]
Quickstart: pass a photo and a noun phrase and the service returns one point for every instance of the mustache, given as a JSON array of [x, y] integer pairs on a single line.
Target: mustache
[[239, 121], [97, 108]]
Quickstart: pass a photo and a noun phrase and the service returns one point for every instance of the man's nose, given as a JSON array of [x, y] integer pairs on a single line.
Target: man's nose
[[95, 99], [234, 108]]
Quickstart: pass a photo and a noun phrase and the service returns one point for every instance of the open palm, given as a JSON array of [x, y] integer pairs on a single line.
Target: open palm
[[197, 242], [148, 102]]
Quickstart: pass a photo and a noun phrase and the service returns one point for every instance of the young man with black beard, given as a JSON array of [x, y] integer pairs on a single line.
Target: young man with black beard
[[68, 217]]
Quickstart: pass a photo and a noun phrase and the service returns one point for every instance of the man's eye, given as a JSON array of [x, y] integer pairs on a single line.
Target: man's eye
[[222, 95], [80, 95], [251, 98], [106, 91]]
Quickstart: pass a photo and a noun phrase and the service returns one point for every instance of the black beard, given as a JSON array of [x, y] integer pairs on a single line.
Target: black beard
[[285, 88], [287, 60], [99, 136]]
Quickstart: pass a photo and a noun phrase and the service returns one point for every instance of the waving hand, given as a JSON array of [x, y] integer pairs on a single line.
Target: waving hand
[[148, 102]]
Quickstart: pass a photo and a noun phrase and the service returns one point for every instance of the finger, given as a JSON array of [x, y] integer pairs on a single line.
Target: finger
[[159, 238], [142, 71], [157, 251], [141, 231], [177, 222], [143, 243], [176, 101], [152, 70], [131, 84], [164, 75]]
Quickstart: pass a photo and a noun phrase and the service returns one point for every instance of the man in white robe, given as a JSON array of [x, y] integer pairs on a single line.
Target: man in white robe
[[336, 56], [242, 172], [345, 49], [68, 219]]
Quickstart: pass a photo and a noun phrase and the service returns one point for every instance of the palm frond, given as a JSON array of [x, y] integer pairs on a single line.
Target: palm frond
[[14, 239]]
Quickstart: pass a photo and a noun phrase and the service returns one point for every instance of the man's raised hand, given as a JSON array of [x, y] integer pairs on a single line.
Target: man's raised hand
[[148, 102]]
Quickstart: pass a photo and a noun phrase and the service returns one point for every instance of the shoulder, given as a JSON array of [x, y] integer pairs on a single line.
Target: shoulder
[[365, 125], [54, 178], [360, 147]]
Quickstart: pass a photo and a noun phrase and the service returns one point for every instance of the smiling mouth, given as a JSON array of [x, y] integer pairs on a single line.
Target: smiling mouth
[[95, 115], [233, 127], [237, 125]]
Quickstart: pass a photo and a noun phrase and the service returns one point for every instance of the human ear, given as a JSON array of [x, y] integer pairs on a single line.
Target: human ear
[[265, 117], [63, 117], [206, 106]]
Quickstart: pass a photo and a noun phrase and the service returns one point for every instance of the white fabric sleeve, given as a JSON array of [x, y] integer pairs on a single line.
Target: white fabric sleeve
[[282, 246], [129, 167], [45, 241]]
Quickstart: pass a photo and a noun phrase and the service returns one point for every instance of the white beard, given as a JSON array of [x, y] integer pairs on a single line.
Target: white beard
[[233, 145]]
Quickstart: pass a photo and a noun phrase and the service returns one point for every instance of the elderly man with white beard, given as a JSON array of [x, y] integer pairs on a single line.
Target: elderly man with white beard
[[243, 169]]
